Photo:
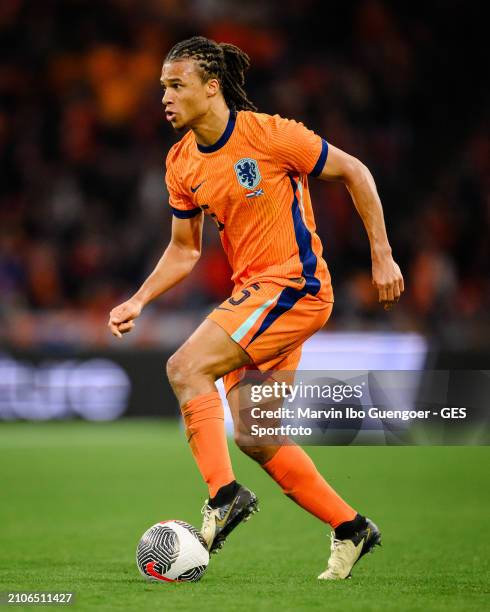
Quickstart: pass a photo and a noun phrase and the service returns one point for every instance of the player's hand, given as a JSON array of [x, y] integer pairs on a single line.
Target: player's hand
[[121, 318], [388, 280]]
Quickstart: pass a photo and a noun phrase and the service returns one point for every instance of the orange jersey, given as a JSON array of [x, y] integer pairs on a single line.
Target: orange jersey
[[253, 183]]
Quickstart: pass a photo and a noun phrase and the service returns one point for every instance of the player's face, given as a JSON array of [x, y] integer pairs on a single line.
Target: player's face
[[186, 98]]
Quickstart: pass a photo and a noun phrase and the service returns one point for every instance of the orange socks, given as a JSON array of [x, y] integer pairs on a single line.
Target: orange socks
[[204, 423], [299, 479], [290, 467]]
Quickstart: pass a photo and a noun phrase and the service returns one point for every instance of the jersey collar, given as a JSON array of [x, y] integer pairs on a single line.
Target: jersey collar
[[223, 139]]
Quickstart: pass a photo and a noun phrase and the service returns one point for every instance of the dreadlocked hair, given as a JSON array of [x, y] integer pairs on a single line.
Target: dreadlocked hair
[[221, 61]]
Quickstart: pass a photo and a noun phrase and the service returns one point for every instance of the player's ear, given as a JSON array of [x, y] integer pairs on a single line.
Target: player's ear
[[212, 87]]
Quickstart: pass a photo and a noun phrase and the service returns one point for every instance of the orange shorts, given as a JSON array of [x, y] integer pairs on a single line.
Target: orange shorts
[[270, 322]]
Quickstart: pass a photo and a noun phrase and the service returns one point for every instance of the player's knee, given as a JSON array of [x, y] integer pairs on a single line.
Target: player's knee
[[246, 444], [177, 369], [186, 368], [254, 452]]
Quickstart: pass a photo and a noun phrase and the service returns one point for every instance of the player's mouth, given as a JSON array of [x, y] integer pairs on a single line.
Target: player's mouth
[[169, 115]]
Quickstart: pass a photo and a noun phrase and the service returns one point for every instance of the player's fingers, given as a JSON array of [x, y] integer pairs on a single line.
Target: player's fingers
[[382, 293], [119, 315], [125, 327], [401, 284], [396, 291], [389, 293], [114, 330]]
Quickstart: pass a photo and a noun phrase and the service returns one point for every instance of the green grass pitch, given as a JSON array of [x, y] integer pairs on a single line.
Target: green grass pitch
[[76, 497]]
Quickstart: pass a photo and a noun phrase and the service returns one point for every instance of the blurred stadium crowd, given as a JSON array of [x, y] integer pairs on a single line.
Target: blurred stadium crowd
[[83, 140]]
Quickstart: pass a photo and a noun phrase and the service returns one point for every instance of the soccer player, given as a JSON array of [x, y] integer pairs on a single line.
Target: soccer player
[[249, 172]]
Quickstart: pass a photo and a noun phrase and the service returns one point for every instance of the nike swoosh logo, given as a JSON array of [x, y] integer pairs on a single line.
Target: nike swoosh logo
[[221, 522], [194, 189], [150, 568]]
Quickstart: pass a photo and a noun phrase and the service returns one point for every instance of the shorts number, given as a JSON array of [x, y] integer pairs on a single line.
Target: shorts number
[[246, 294]]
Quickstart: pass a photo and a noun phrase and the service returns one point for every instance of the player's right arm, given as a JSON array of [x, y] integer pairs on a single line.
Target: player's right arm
[[177, 261]]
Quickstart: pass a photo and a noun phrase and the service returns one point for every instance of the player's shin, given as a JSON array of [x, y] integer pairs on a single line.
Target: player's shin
[[296, 474], [204, 423]]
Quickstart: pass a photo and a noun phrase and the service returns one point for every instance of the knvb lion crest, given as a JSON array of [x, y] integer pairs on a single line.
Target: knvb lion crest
[[247, 172]]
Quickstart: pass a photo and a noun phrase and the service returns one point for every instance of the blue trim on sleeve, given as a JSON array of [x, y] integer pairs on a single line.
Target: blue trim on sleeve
[[321, 160], [185, 214], [223, 139]]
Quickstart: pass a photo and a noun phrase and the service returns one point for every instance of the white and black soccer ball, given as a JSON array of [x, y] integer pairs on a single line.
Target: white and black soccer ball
[[172, 551]]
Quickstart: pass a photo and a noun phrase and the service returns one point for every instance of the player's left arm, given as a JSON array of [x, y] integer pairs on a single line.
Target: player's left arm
[[387, 277]]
